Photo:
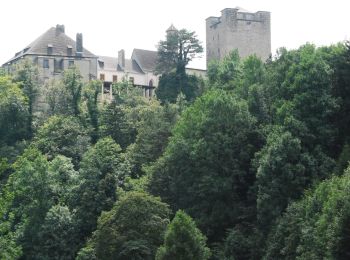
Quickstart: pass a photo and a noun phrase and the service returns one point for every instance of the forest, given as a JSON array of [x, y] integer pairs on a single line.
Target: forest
[[248, 163]]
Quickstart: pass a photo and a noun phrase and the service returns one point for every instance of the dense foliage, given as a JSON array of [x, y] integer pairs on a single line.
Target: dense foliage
[[183, 240], [257, 155]]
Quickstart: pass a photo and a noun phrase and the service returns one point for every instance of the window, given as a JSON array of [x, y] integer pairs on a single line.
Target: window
[[131, 80], [107, 87], [70, 63], [58, 65], [150, 83], [69, 50], [102, 77], [115, 78], [46, 64], [49, 49], [150, 92], [101, 64]]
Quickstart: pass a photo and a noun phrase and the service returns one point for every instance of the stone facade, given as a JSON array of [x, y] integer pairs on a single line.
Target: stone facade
[[240, 29], [139, 70], [54, 52]]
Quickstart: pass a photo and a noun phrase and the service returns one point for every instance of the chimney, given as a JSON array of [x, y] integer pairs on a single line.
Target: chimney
[[121, 58], [79, 44], [59, 29]]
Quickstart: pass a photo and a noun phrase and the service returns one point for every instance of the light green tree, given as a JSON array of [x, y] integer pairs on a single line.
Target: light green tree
[[183, 240], [13, 112]]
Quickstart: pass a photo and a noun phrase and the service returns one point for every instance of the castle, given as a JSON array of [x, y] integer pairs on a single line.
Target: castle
[[240, 29], [54, 51]]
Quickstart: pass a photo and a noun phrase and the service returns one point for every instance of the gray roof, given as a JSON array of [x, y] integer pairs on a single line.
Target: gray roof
[[171, 28], [147, 60], [59, 42], [111, 63], [242, 10]]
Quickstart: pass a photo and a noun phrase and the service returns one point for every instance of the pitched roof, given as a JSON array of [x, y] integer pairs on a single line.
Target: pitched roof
[[147, 60], [54, 38], [242, 10], [111, 63], [132, 66], [171, 28]]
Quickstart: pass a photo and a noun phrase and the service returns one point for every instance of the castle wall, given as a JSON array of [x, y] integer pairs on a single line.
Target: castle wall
[[250, 33]]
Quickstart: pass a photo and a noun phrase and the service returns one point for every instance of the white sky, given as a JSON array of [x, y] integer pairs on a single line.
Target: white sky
[[111, 25]]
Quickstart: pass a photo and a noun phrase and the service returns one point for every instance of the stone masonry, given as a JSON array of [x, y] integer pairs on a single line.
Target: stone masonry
[[240, 29]]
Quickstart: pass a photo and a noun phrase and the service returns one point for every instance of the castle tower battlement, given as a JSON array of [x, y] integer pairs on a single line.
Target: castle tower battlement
[[240, 29]]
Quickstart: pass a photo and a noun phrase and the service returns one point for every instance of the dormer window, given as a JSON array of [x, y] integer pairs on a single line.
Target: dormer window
[[101, 64], [69, 50], [49, 49]]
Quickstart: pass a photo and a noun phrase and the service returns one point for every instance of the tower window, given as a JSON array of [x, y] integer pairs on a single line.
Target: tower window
[[102, 77], [115, 78]]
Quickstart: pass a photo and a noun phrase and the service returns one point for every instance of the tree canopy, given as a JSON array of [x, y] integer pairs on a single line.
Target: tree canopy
[[177, 50]]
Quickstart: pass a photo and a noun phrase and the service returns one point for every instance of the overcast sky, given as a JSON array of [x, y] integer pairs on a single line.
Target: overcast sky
[[111, 25]]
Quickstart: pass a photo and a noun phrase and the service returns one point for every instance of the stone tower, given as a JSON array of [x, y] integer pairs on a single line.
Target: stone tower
[[240, 29]]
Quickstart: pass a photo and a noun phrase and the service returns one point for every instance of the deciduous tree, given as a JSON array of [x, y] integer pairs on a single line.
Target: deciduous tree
[[183, 240]]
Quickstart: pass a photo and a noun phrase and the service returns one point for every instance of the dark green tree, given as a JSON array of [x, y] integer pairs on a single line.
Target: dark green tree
[[183, 240], [206, 168], [317, 227], [102, 170], [179, 48], [300, 85], [153, 132], [4, 171], [172, 84], [72, 81], [90, 93], [119, 121], [282, 176], [27, 76], [29, 198], [338, 58], [133, 229], [62, 135], [57, 235], [242, 242], [230, 71]]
